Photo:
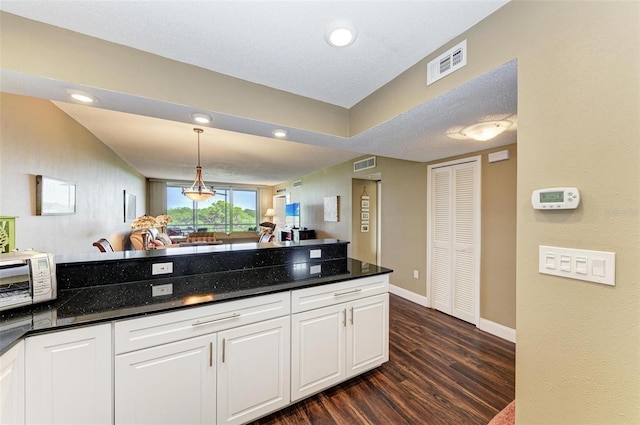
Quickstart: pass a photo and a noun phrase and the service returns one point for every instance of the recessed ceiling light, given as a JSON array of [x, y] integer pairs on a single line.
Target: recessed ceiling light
[[201, 118], [280, 133], [81, 96], [341, 34]]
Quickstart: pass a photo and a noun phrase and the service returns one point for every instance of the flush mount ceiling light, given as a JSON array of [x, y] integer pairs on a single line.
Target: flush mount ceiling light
[[198, 190], [482, 131], [280, 133], [340, 34], [81, 96], [201, 118]]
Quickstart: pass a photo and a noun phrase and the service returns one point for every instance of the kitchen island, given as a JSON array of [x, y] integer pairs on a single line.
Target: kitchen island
[[251, 316]]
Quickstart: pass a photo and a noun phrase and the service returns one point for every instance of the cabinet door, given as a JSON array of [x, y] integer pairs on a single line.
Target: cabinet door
[[253, 370], [168, 384], [12, 386], [317, 350], [367, 333], [68, 377]]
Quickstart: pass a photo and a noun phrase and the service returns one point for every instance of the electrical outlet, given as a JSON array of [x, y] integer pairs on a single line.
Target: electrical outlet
[[161, 268], [159, 290], [416, 274]]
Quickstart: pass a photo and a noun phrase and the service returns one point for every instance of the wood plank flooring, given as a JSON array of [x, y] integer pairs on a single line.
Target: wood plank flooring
[[441, 371]]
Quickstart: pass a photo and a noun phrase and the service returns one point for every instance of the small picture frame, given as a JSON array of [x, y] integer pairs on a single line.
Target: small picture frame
[[129, 206], [364, 215], [364, 203], [364, 228]]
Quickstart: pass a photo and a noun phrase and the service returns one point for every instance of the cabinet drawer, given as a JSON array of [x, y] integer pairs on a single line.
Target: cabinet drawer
[[326, 295], [159, 329]]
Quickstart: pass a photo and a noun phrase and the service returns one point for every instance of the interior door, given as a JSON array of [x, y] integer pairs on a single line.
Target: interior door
[[454, 241]]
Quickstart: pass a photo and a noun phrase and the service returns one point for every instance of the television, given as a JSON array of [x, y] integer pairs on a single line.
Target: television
[[292, 215]]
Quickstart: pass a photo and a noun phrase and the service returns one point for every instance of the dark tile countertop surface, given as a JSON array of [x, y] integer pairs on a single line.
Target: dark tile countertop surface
[[112, 301]]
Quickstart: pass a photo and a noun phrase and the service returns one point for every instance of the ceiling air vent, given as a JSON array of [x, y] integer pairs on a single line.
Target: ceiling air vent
[[297, 183], [451, 60], [364, 164]]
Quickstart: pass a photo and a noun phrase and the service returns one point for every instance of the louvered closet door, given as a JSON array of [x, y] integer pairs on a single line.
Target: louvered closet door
[[441, 239], [455, 244]]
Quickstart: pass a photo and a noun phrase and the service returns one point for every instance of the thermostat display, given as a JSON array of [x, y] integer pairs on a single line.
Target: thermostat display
[[556, 198]]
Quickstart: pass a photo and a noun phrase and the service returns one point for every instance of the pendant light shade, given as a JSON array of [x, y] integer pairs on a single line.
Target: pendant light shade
[[198, 190]]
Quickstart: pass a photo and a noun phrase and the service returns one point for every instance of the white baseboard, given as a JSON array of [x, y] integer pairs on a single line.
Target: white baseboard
[[497, 329], [488, 326], [408, 295]]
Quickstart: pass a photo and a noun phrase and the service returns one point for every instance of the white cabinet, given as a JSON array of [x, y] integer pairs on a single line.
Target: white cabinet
[[69, 376], [226, 363], [169, 384], [334, 340], [12, 385], [253, 370], [317, 350]]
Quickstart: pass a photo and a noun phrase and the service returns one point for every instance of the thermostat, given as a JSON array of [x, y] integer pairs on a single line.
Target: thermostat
[[556, 198]]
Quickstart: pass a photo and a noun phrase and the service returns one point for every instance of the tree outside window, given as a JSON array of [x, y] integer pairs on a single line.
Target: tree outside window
[[230, 210]]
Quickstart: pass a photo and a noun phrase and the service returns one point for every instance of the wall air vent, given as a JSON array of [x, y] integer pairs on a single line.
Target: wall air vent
[[364, 164], [297, 183], [451, 60]]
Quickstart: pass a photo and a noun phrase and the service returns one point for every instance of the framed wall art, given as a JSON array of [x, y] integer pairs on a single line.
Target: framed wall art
[[332, 208], [129, 206]]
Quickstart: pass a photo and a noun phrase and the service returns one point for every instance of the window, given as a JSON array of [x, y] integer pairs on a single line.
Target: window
[[230, 210]]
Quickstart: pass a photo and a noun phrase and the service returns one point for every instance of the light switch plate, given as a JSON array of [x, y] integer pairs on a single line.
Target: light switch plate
[[581, 264]]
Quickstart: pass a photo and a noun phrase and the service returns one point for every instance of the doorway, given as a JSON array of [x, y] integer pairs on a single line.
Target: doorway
[[279, 206], [365, 229]]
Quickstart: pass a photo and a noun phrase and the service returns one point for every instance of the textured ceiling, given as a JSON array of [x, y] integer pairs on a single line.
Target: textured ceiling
[[279, 44]]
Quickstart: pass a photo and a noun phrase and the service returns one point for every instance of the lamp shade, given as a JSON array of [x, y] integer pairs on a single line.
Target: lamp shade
[[270, 213]]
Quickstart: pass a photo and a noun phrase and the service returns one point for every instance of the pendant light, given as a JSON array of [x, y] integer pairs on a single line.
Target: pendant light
[[198, 190]]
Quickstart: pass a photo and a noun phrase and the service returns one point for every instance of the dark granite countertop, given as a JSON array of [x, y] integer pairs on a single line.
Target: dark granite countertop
[[112, 301], [175, 252]]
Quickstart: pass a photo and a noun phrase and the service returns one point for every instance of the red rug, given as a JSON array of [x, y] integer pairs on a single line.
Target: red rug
[[506, 416]]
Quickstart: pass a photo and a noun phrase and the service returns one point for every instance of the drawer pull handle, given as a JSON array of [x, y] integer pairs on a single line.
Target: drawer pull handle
[[206, 322], [353, 291]]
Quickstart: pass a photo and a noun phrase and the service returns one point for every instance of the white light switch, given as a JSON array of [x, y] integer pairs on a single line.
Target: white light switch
[[597, 267], [550, 261], [565, 263], [581, 264]]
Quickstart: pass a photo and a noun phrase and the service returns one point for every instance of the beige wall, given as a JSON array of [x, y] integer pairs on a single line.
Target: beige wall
[[36, 138], [579, 113], [498, 262]]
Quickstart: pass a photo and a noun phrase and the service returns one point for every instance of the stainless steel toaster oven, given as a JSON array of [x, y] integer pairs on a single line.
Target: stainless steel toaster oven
[[26, 277]]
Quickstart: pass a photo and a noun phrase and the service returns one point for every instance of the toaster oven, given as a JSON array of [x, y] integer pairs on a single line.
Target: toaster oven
[[26, 277]]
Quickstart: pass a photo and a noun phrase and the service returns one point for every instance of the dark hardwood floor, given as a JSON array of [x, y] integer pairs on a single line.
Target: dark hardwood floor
[[441, 371]]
